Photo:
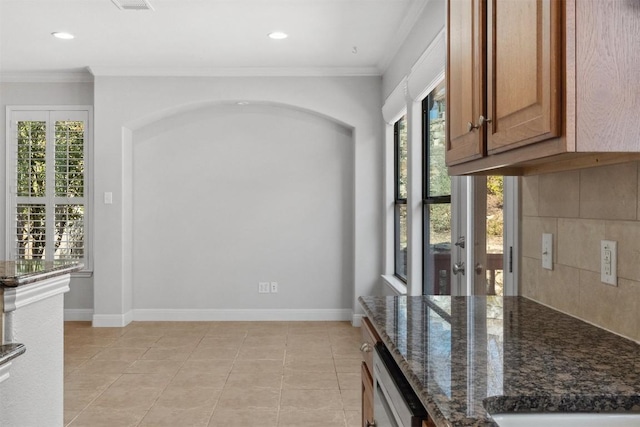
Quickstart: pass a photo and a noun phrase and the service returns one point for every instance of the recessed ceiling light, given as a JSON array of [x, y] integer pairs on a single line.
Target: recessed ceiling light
[[278, 35], [62, 35], [242, 102]]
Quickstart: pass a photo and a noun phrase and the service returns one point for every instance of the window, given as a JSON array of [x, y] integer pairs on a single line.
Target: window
[[437, 197], [47, 180], [400, 150]]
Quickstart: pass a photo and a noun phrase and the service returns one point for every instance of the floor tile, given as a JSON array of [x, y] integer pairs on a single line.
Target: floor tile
[[309, 418], [309, 364], [172, 353], [78, 399], [310, 380], [108, 418], [154, 367], [209, 366], [224, 417], [352, 365], [121, 353], [124, 399], [354, 418], [204, 353], [258, 365], [351, 399], [160, 416], [104, 367], [77, 381], [196, 379], [177, 397], [274, 352], [255, 379], [244, 398], [311, 399], [349, 381], [135, 381]]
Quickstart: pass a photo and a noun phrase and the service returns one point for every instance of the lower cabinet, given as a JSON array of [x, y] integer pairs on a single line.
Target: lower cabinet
[[367, 397]]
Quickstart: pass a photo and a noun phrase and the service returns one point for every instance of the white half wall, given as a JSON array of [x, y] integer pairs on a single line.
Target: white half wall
[[125, 108]]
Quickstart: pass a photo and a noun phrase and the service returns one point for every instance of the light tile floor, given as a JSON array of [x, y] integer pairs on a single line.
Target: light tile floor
[[222, 374]]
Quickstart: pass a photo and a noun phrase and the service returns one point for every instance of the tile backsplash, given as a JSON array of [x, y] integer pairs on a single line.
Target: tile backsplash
[[581, 208]]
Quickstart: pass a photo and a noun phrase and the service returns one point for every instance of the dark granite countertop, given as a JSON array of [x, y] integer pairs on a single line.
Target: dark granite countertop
[[9, 352], [24, 272], [467, 357]]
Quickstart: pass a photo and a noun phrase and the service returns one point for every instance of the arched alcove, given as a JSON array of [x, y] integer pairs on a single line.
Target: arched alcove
[[224, 196]]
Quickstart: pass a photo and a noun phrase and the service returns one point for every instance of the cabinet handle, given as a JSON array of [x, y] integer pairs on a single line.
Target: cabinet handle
[[482, 120], [371, 424], [471, 126], [365, 348]]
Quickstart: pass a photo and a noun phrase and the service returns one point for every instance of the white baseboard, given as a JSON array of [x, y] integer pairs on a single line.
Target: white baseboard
[[356, 320], [78, 314], [112, 320], [242, 314]]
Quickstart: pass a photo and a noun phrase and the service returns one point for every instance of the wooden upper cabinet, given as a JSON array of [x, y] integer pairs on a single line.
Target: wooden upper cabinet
[[523, 72], [555, 81], [465, 77]]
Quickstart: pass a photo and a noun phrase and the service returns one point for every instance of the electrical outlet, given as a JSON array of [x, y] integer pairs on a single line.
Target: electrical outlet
[[608, 262], [547, 251], [263, 287], [274, 287]]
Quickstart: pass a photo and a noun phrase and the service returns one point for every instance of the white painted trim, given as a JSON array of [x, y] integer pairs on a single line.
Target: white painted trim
[[389, 205], [356, 320], [46, 77], [428, 70], [235, 72], [396, 285], [112, 320], [4, 371], [511, 217], [22, 296], [345, 314], [415, 214], [78, 314], [413, 12], [395, 106]]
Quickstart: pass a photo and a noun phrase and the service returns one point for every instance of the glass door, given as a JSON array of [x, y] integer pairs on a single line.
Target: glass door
[[467, 221]]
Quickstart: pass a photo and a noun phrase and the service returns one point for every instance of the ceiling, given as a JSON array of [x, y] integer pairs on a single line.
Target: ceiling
[[204, 37]]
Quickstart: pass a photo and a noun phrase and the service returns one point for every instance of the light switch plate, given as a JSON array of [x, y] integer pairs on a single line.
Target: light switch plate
[[608, 262], [547, 251]]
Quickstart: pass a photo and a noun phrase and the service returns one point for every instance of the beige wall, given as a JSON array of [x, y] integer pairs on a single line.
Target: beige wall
[[581, 208]]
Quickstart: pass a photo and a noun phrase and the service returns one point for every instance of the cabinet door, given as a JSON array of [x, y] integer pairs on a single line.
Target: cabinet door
[[523, 72], [367, 397], [465, 79]]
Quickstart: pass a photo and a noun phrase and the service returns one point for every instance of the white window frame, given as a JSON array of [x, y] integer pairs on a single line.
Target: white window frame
[[38, 112]]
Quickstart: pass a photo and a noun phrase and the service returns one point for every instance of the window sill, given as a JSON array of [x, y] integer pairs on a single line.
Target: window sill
[[396, 285]]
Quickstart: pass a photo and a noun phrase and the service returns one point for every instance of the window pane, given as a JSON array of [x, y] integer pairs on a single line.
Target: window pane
[[439, 182], [401, 241], [495, 221], [69, 232], [30, 231], [69, 143], [437, 253], [401, 156], [31, 151]]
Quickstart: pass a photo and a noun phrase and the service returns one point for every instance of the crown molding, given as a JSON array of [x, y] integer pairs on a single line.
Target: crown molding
[[414, 10], [234, 72], [46, 77]]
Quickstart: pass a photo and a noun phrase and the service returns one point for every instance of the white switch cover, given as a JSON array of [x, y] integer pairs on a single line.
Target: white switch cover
[[547, 251], [108, 198], [608, 262], [274, 287]]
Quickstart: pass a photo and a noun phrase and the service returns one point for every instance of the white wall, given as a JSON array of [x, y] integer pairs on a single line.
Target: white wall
[[80, 298], [230, 195], [125, 105], [427, 27]]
